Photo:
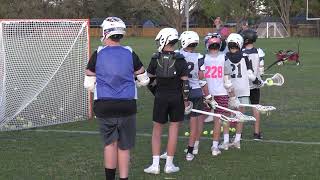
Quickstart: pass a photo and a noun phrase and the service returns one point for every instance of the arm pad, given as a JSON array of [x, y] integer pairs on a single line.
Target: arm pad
[[143, 79], [251, 76], [89, 83], [185, 89]]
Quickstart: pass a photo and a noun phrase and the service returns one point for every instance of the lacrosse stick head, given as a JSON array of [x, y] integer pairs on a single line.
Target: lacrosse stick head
[[240, 117], [275, 80]]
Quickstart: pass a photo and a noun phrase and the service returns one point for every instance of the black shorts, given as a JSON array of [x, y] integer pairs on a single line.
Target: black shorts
[[120, 129], [168, 105], [255, 96], [197, 104]]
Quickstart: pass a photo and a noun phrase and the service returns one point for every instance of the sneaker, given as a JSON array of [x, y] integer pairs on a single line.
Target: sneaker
[[164, 155], [257, 136], [215, 151], [171, 169], [224, 146], [235, 144], [194, 152], [189, 157], [152, 169]]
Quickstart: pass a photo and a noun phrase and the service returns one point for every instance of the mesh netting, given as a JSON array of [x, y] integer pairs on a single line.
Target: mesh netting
[[42, 67], [271, 30]]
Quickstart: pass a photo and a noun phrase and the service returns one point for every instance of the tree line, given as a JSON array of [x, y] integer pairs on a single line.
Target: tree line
[[165, 12]]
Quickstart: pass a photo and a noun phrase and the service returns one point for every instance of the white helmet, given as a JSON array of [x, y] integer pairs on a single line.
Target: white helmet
[[165, 36], [188, 37], [235, 38], [112, 26]]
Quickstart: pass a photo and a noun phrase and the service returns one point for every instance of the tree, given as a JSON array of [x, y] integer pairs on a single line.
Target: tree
[[283, 7]]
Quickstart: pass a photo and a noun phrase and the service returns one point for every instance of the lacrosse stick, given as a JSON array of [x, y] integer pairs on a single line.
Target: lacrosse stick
[[260, 108], [222, 117], [238, 115], [275, 80]]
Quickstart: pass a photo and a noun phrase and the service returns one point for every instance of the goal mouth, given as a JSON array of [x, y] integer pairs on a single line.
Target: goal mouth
[[42, 64]]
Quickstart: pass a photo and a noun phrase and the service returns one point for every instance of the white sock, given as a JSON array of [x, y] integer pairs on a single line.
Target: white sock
[[169, 161], [225, 138], [196, 143], [215, 144], [238, 137], [155, 160]]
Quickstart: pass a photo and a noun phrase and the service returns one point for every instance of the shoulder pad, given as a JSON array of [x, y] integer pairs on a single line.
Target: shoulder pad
[[200, 56], [177, 51], [260, 52], [128, 47], [178, 56], [155, 55]]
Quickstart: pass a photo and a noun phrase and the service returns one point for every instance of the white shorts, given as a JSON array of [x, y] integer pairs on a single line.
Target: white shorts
[[244, 100]]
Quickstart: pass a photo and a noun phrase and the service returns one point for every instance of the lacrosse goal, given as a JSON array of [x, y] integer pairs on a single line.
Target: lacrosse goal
[[42, 65], [271, 30]]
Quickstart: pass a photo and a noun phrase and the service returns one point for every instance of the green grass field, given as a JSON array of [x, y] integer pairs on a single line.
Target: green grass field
[[290, 150]]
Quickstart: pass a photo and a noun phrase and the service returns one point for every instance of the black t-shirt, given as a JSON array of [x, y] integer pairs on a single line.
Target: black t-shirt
[[114, 108], [170, 85]]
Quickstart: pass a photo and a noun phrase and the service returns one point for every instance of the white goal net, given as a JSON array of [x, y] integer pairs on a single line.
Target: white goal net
[[271, 30], [42, 65]]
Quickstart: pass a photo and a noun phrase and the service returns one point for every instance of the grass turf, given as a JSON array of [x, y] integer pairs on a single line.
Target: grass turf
[[54, 155]]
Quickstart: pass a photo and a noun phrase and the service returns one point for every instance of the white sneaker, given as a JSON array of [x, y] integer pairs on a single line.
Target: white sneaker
[[215, 151], [235, 144], [164, 155], [194, 152], [171, 169], [152, 169], [224, 146], [189, 157]]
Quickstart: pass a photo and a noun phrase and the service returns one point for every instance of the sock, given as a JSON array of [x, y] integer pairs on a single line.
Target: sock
[[190, 149], [196, 143], [155, 160], [215, 144], [226, 138], [169, 161], [110, 173], [238, 137], [123, 178]]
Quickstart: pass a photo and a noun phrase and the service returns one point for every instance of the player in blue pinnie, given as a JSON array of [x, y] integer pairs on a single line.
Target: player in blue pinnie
[[110, 74]]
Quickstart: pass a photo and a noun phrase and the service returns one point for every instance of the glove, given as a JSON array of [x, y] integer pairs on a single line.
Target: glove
[[188, 105], [234, 102], [210, 101]]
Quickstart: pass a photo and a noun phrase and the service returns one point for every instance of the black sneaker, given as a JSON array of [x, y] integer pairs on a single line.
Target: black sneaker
[[257, 136]]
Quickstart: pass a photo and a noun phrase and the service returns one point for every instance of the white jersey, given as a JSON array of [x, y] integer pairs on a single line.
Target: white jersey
[[213, 68], [239, 76], [255, 60], [193, 67]]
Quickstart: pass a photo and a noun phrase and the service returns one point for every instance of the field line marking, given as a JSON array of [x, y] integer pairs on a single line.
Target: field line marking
[[182, 137]]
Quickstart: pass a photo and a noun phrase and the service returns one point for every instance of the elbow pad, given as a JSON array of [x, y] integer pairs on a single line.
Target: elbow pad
[[185, 89], [202, 83], [251, 76], [89, 83], [143, 79], [227, 82], [261, 68]]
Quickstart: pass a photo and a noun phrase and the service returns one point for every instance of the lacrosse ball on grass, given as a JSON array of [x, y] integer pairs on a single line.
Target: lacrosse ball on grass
[[186, 133], [211, 132], [269, 82], [205, 132]]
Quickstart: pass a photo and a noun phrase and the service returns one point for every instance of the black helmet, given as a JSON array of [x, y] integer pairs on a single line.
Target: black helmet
[[249, 36]]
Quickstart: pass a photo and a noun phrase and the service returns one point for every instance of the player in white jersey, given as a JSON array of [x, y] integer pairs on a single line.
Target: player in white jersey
[[239, 67], [256, 56], [213, 69], [189, 41]]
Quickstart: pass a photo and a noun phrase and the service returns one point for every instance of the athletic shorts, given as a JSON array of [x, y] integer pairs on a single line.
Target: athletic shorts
[[197, 104], [255, 96], [168, 105], [244, 100], [224, 102], [120, 129]]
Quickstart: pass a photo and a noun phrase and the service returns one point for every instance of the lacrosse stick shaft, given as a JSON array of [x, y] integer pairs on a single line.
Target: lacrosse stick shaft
[[206, 113], [227, 109], [247, 105]]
